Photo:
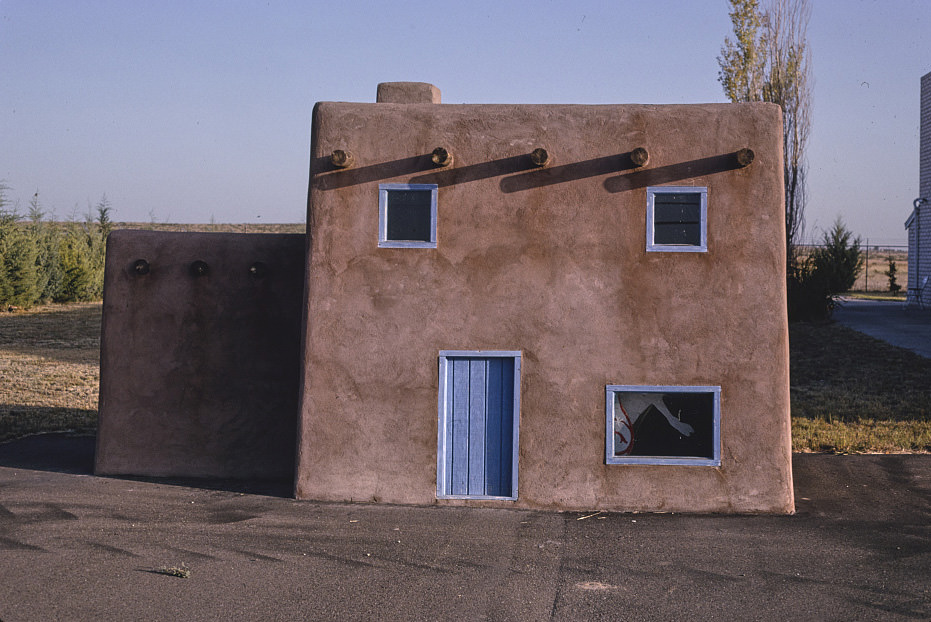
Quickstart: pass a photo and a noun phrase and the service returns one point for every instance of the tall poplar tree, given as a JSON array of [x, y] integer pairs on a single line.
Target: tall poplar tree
[[768, 60]]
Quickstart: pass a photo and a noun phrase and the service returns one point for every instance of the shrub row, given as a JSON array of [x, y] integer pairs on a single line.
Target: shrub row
[[43, 261]]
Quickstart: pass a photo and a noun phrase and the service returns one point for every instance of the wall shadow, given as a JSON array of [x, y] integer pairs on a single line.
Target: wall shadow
[[673, 172], [551, 175], [73, 454], [283, 488], [520, 172], [329, 177], [472, 172], [58, 452]]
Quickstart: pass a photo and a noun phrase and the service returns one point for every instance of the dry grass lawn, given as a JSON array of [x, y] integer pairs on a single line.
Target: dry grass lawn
[[49, 369], [873, 276], [850, 393], [215, 228], [50, 355]]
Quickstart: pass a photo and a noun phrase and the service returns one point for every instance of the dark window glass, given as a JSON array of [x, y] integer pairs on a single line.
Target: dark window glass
[[408, 215], [677, 218], [664, 424]]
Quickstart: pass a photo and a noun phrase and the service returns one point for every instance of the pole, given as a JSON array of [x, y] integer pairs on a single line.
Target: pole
[[867, 286]]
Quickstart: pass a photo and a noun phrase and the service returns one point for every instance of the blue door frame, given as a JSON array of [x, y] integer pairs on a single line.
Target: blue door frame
[[479, 406]]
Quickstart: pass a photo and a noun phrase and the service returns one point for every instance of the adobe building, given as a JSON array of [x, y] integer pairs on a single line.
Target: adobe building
[[200, 354], [546, 306], [531, 306]]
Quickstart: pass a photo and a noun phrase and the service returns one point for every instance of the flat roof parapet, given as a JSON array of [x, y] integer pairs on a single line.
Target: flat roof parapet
[[407, 93]]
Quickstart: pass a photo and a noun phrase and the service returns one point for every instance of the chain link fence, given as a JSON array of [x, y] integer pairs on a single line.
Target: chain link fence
[[874, 276]]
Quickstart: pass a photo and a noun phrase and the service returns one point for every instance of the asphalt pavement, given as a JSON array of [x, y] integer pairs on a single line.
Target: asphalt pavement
[[78, 547], [892, 322]]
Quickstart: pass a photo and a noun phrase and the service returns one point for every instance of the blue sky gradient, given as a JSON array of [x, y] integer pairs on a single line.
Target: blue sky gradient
[[200, 111]]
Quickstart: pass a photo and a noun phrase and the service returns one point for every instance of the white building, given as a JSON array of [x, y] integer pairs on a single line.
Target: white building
[[919, 222]]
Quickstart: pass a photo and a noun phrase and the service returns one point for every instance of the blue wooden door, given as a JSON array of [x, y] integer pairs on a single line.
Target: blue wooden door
[[477, 444]]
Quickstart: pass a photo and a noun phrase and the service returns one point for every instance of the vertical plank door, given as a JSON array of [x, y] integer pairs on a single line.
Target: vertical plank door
[[479, 426]]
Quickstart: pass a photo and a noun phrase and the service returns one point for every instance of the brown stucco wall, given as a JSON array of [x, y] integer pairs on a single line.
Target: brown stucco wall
[[199, 375], [550, 262]]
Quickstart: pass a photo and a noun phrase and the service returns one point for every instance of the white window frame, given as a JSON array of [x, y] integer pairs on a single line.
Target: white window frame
[[383, 241], [610, 458], [652, 191]]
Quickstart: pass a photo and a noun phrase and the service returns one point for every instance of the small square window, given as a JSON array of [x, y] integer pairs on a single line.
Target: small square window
[[677, 219], [407, 215], [663, 425]]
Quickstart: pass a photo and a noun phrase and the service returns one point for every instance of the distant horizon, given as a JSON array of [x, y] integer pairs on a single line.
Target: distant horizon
[[873, 244]]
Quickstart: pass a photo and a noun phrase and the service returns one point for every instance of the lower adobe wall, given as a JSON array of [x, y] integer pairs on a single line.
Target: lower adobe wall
[[200, 361]]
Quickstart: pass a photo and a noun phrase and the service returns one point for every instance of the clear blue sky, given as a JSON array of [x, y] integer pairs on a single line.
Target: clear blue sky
[[188, 111]]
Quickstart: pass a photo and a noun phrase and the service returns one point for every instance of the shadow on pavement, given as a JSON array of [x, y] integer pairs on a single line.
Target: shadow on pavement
[[61, 452], [65, 452], [88, 548]]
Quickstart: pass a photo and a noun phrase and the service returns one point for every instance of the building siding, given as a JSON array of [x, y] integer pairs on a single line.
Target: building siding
[[919, 233]]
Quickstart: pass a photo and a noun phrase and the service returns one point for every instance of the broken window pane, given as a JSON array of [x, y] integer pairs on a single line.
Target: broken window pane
[[662, 425]]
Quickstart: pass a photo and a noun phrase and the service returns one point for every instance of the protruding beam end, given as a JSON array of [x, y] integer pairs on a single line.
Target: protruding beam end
[[199, 268], [342, 159], [745, 157], [441, 157], [639, 157], [540, 157], [258, 270]]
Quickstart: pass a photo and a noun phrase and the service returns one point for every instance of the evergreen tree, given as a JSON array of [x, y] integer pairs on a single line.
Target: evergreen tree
[[37, 232], [18, 273], [104, 223], [78, 282], [7, 223], [43, 261], [839, 260], [894, 287], [36, 213], [19, 263], [48, 260]]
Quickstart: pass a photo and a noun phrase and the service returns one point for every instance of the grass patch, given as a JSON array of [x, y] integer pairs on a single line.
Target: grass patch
[[864, 436], [900, 297], [215, 228], [853, 393]]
